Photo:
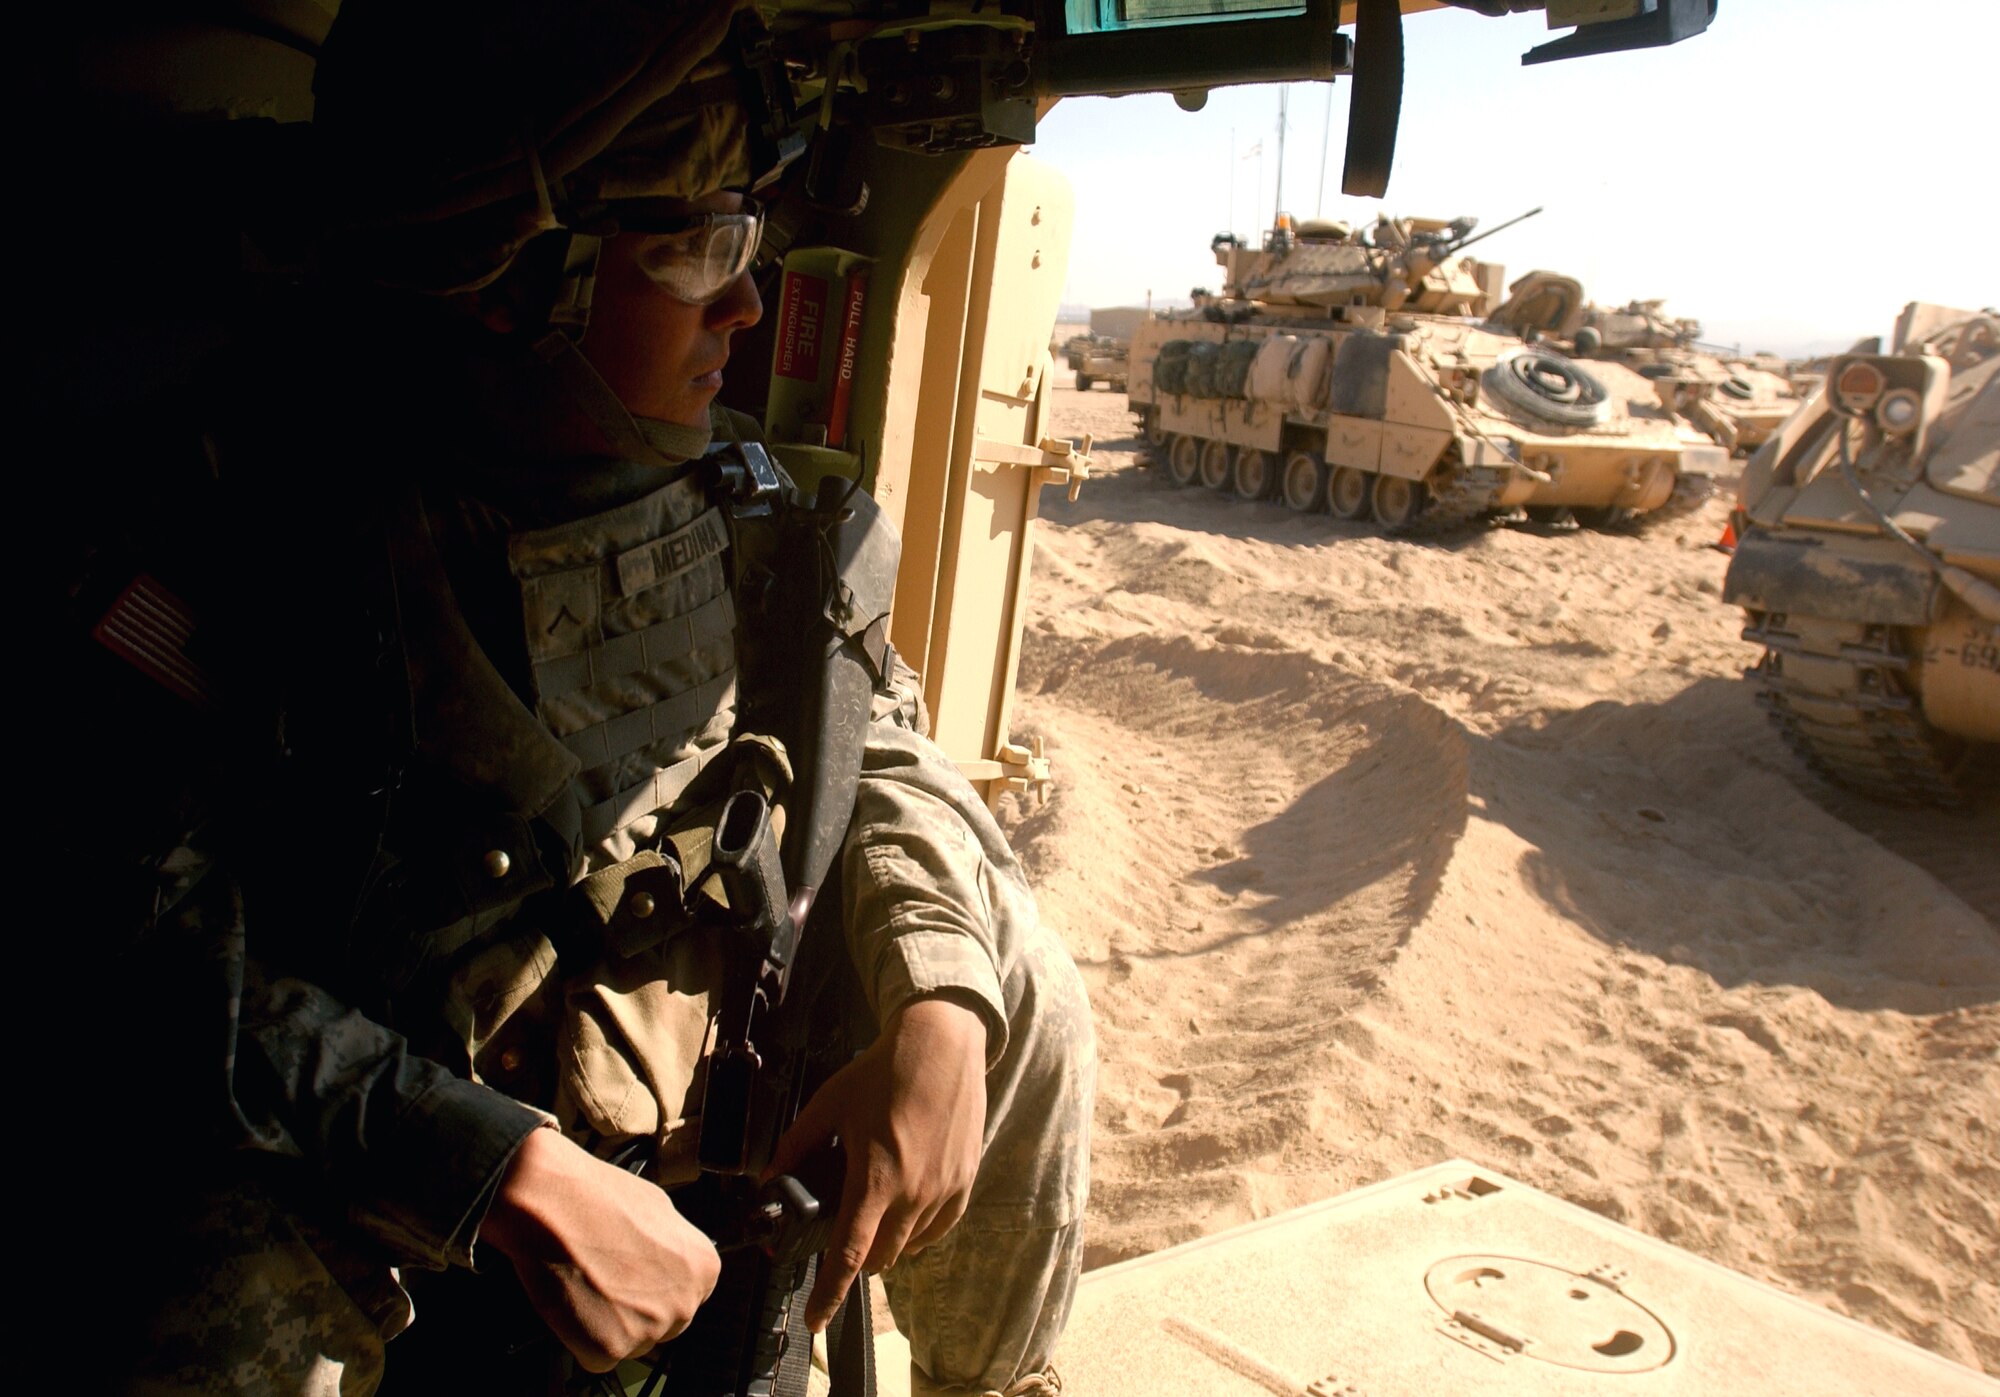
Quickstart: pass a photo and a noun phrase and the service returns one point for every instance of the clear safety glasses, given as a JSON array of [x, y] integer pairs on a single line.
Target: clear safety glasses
[[697, 257]]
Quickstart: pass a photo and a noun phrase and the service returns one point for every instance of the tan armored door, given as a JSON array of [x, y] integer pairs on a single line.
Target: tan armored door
[[979, 461]]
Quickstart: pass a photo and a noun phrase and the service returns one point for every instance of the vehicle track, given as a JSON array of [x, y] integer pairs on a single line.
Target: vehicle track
[[1844, 706]]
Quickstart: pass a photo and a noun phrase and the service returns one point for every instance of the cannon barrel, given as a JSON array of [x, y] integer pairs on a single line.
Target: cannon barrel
[[1452, 249]]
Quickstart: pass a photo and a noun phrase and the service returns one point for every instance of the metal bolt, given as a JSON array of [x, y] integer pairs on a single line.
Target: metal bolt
[[510, 1060], [640, 904], [497, 862]]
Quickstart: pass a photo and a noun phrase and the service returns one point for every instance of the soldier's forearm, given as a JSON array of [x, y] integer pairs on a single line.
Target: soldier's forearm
[[919, 922], [412, 1152]]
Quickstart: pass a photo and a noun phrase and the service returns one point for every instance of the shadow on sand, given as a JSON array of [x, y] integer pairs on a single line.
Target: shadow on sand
[[1135, 494], [1686, 830]]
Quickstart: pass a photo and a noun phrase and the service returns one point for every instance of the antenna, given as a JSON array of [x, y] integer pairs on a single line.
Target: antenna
[[1278, 199], [1325, 134]]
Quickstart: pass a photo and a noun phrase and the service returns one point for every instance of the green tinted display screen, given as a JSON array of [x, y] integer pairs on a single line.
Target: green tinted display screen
[[1111, 16]]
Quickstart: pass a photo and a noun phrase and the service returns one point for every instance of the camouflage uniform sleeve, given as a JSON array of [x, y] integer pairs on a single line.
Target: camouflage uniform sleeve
[[918, 883], [413, 1153]]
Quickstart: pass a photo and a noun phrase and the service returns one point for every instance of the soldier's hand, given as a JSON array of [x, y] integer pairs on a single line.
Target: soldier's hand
[[911, 1114], [607, 1261]]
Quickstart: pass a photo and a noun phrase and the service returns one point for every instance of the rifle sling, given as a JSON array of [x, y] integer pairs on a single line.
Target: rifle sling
[[850, 1344]]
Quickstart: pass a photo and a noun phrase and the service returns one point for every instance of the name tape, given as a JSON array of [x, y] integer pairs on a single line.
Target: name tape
[[695, 542]]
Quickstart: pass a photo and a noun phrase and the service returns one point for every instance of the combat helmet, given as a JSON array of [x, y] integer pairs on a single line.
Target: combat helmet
[[465, 143]]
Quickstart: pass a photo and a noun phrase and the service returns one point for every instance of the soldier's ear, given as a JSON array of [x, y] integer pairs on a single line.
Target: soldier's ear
[[521, 298]]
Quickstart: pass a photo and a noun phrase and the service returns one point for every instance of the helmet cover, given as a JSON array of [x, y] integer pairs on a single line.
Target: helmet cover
[[458, 131]]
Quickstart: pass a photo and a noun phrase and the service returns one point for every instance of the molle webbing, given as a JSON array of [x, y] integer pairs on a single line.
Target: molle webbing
[[637, 652], [669, 720], [631, 634], [656, 792]]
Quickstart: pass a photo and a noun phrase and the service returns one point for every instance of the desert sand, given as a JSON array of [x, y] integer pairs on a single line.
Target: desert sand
[[1378, 852]]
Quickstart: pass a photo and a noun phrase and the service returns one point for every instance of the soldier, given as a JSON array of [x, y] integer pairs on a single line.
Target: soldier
[[394, 967]]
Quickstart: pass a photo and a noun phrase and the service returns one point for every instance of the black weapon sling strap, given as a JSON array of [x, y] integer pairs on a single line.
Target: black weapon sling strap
[[850, 1343]]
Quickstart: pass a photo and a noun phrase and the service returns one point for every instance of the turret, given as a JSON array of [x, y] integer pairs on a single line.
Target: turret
[[1410, 264], [1640, 325]]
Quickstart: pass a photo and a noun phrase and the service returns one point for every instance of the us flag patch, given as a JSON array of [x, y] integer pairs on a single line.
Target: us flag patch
[[149, 627]]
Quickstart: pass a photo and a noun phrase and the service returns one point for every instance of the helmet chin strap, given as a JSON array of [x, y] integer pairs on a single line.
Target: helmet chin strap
[[559, 352], [578, 380], [569, 310]]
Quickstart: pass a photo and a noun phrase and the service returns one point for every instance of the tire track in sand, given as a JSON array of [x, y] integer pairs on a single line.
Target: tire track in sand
[[1309, 815]]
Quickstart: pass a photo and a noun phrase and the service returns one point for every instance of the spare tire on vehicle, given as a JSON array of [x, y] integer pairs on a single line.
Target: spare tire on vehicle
[[1541, 384], [1170, 368]]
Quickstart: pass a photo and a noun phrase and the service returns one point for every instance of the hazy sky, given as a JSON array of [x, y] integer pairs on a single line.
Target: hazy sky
[[1790, 178]]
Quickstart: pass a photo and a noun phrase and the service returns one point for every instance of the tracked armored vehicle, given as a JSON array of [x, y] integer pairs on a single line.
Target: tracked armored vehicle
[[1749, 399], [965, 253], [1738, 400], [1355, 374], [1097, 359], [1868, 561]]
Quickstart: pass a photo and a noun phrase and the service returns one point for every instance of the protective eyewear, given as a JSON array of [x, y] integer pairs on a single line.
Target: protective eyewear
[[697, 257]]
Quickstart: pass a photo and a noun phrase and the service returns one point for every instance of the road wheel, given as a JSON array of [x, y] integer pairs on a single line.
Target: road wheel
[[1608, 516], [1083, 382], [1254, 476], [1183, 460], [1304, 482], [1215, 465], [1398, 502], [1347, 495], [1156, 435]]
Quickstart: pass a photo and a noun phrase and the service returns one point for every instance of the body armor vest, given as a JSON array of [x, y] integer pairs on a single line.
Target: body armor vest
[[631, 637]]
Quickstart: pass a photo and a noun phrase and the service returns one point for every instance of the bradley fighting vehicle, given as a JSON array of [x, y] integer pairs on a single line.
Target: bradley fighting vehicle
[[1101, 356], [1738, 400], [1097, 359], [1868, 561], [911, 268], [900, 191], [1353, 373]]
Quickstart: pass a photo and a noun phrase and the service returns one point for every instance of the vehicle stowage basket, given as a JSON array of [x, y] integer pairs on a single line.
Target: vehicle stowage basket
[[1232, 368], [1201, 361], [1170, 368]]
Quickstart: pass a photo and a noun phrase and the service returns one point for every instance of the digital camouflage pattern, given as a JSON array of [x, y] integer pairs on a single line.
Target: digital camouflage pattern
[[608, 1046], [630, 634], [276, 1307]]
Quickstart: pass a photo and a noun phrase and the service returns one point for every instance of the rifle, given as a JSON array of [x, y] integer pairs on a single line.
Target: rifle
[[831, 640], [825, 614]]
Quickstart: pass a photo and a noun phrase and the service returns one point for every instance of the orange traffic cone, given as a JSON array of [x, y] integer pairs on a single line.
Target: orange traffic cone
[[1727, 543]]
